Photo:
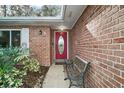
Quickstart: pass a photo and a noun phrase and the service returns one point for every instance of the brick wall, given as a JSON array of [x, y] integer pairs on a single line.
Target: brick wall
[[98, 36], [38, 44]]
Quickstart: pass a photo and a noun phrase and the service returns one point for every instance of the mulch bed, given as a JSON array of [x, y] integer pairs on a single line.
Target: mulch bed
[[31, 78]]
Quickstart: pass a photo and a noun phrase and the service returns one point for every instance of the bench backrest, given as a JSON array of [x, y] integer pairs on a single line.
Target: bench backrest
[[81, 65]]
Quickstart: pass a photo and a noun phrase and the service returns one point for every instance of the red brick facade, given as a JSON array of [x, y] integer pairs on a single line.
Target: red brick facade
[[98, 36], [40, 44]]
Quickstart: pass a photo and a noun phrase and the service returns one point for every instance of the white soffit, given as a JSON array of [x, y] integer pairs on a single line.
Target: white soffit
[[72, 14], [70, 17]]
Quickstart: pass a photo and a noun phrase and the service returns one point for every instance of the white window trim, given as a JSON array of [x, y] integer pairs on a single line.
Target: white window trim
[[25, 37], [10, 35]]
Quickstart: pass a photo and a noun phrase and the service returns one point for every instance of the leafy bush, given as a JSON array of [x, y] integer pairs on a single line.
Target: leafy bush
[[30, 64], [12, 79], [10, 75]]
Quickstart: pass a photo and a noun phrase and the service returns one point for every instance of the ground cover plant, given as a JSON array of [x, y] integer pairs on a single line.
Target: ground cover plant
[[14, 65]]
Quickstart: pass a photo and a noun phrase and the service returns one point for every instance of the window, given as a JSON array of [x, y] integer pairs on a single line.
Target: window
[[9, 38], [4, 39], [29, 11], [15, 35]]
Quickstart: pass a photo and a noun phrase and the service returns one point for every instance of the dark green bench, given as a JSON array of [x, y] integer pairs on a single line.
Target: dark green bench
[[76, 69]]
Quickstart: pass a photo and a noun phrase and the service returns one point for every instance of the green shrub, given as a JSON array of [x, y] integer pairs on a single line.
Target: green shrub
[[29, 63], [12, 79], [10, 76]]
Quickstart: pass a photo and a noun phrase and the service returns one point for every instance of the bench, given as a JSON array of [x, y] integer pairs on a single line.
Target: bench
[[76, 69]]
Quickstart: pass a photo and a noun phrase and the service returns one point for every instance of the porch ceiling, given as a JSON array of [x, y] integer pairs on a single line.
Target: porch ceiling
[[71, 15]]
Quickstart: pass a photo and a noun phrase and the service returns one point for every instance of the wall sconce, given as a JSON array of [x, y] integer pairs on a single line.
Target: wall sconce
[[40, 32]]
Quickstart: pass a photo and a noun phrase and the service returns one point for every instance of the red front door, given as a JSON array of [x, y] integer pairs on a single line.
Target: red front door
[[61, 45]]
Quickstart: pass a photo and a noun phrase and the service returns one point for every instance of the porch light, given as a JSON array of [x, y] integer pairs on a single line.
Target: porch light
[[62, 28]]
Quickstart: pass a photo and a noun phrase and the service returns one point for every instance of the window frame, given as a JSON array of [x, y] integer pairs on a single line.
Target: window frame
[[63, 8], [10, 35]]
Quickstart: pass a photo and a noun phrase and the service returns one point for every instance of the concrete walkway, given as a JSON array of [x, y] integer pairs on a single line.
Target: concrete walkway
[[55, 78]]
